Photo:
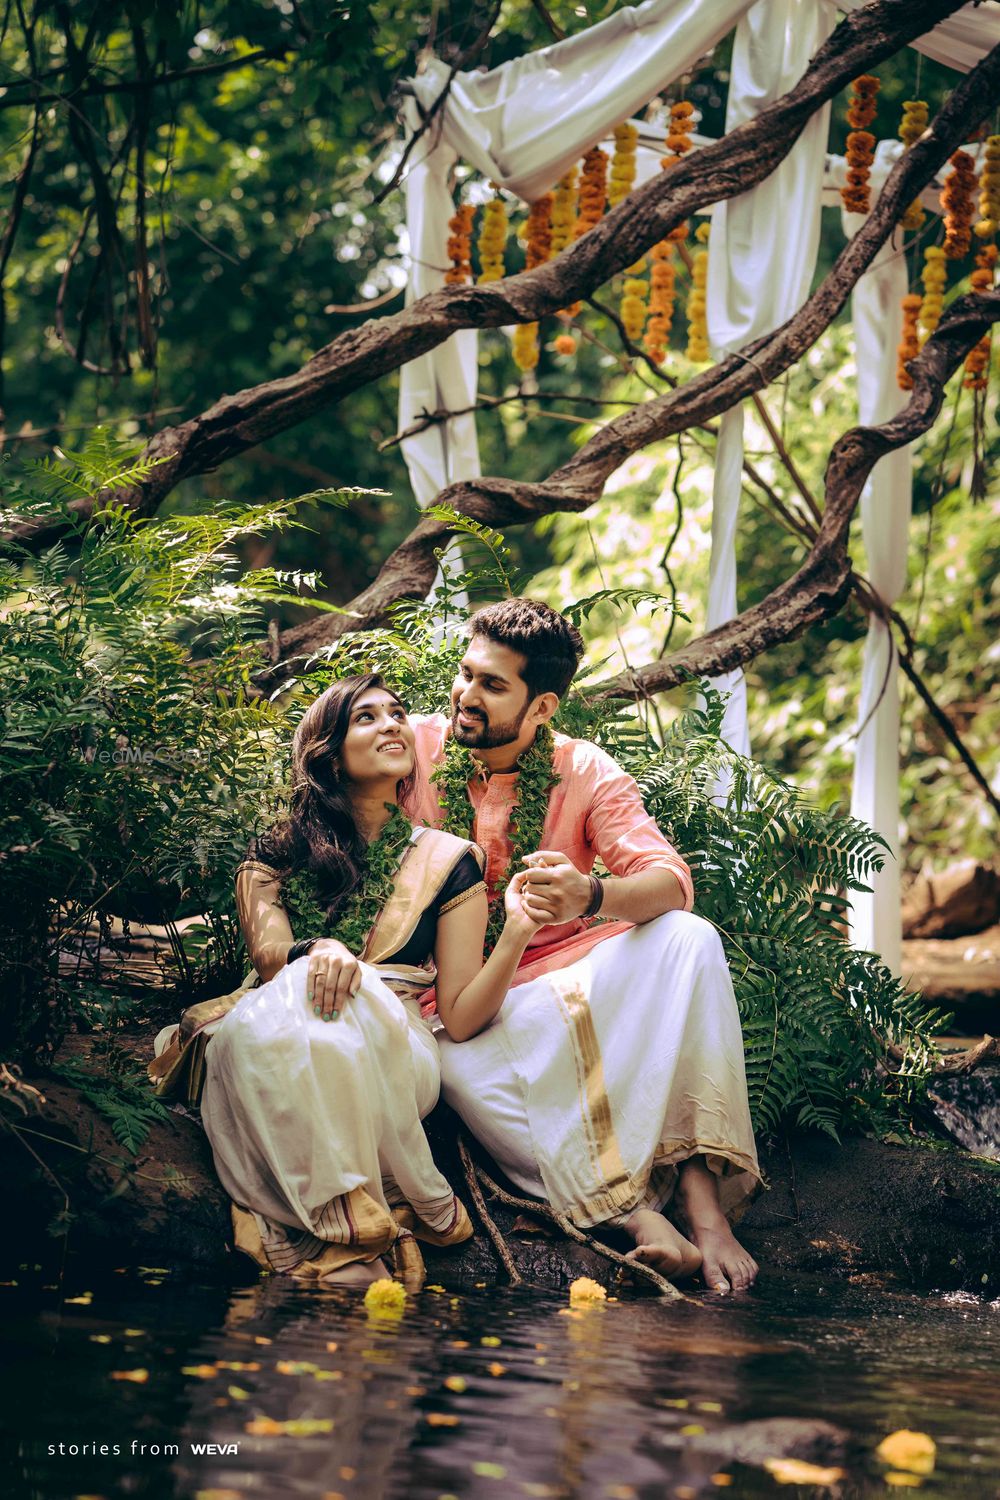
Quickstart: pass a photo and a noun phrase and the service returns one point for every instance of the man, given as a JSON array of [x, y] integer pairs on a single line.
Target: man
[[613, 1077]]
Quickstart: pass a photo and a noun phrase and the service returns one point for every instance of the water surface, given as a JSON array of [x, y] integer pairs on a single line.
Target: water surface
[[488, 1394]]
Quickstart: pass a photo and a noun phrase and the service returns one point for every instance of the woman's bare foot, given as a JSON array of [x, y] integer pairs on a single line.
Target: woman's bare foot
[[356, 1273], [725, 1265], [660, 1245]]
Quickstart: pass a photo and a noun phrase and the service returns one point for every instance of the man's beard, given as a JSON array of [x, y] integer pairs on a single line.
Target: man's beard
[[486, 736]]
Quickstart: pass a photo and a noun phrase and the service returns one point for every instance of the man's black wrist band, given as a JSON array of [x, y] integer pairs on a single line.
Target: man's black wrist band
[[299, 950], [596, 896]]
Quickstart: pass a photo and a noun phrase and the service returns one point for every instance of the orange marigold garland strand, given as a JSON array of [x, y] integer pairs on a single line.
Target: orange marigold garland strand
[[697, 304], [492, 242], [563, 223], [909, 343], [539, 248], [590, 204], [935, 278], [860, 144], [662, 273], [460, 245], [911, 128], [989, 190], [977, 361], [957, 202]]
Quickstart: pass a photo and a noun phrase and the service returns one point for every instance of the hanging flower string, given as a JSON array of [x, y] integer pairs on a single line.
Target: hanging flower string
[[912, 127], [989, 190], [539, 248], [934, 277], [492, 242], [563, 223], [460, 245], [977, 361], [662, 274], [958, 204], [697, 306], [590, 205], [635, 289], [860, 144], [909, 343]]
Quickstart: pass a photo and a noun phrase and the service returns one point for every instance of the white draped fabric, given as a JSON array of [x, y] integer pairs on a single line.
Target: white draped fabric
[[885, 518], [524, 123], [758, 272]]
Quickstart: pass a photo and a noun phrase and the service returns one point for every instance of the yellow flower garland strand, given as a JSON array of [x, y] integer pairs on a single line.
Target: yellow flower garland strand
[[492, 242], [635, 290], [989, 190], [539, 248], [697, 303], [911, 128], [935, 278]]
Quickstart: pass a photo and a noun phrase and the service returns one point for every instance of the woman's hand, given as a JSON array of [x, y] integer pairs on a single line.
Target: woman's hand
[[519, 919], [334, 975]]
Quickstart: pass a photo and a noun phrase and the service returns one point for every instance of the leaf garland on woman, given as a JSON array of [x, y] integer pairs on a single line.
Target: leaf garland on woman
[[536, 777], [360, 911]]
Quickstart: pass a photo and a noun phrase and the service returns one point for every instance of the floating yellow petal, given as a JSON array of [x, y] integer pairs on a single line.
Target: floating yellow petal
[[913, 1451], [586, 1293], [797, 1471]]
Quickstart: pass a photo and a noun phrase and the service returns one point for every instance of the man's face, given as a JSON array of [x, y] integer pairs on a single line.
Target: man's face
[[489, 697]]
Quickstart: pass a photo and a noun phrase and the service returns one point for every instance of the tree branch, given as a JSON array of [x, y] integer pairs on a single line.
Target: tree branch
[[409, 571], [714, 173]]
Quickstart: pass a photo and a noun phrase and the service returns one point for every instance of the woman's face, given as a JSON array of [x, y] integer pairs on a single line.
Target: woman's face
[[378, 745]]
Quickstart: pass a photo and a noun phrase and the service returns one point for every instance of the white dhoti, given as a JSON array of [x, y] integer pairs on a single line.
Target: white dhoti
[[306, 1117], [595, 1081]]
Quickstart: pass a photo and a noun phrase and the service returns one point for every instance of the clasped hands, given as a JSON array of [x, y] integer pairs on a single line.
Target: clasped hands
[[550, 890]]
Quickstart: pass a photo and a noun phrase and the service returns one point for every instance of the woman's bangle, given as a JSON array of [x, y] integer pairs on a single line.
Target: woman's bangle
[[596, 896], [299, 950]]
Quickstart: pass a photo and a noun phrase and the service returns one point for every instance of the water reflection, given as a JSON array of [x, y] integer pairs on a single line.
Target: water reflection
[[493, 1394]]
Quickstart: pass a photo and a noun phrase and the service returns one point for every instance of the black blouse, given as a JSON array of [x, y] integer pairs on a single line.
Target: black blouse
[[465, 881]]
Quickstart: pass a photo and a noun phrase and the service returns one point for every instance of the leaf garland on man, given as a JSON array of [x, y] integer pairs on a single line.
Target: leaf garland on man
[[536, 778]]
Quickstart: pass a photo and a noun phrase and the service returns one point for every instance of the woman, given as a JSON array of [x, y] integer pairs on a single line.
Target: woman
[[315, 1083]]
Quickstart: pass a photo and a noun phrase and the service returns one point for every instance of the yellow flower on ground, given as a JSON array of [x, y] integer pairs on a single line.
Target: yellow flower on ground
[[913, 1452], [586, 1293], [385, 1298]]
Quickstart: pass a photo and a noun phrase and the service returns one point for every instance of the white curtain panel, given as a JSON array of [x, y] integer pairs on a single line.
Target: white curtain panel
[[761, 258], [885, 519]]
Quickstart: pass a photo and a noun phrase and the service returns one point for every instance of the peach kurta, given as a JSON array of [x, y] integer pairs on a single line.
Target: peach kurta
[[595, 812]]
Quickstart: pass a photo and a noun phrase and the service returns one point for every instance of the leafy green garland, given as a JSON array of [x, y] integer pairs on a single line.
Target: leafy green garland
[[535, 779], [364, 905]]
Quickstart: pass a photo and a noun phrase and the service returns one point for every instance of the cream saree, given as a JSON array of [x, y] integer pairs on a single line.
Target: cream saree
[[316, 1126]]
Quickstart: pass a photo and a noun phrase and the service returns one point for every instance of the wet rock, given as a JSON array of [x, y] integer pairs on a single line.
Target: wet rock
[[815, 1442], [958, 974], [962, 899], [968, 1106]]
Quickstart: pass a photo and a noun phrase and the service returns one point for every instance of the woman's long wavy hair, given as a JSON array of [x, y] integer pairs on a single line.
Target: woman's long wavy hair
[[320, 833]]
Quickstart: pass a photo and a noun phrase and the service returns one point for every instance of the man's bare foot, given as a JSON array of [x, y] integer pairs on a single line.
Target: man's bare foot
[[660, 1245], [356, 1273], [725, 1265]]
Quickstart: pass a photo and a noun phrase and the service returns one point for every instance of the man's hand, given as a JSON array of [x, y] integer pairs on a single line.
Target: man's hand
[[554, 890], [334, 975]]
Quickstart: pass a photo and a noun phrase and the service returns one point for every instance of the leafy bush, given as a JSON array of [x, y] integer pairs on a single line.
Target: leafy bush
[[134, 754]]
